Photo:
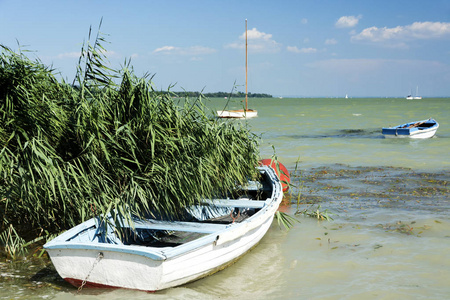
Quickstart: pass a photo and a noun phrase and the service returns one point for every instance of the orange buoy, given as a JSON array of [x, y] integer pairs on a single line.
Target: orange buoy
[[282, 172]]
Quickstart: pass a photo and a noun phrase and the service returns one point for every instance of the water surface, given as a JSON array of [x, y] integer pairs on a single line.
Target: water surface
[[389, 200], [348, 131]]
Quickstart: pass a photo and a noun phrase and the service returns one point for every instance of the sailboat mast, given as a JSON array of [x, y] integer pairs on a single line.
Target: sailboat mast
[[246, 66]]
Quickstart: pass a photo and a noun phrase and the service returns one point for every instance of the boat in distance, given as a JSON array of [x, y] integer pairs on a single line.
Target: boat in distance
[[153, 254], [237, 113], [410, 97], [416, 130], [416, 97], [245, 113]]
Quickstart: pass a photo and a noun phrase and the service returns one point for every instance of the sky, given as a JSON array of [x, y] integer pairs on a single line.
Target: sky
[[317, 48]]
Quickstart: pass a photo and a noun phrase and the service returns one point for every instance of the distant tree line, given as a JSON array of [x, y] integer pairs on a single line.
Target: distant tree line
[[222, 94]]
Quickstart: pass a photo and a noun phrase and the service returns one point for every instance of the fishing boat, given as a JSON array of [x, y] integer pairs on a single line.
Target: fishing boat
[[241, 113], [153, 254], [416, 130]]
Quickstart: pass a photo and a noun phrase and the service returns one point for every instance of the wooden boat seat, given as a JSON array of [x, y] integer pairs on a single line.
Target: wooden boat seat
[[241, 203], [199, 226], [179, 226]]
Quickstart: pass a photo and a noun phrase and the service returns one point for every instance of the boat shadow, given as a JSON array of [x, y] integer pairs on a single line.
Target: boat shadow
[[371, 133]]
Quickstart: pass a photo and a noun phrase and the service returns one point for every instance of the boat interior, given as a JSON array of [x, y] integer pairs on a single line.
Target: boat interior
[[426, 124], [199, 220]]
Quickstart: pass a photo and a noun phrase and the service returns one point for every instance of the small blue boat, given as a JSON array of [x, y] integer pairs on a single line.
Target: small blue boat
[[416, 130]]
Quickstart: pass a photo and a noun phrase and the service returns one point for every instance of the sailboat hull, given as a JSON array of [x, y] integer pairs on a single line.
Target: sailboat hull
[[237, 114], [416, 97]]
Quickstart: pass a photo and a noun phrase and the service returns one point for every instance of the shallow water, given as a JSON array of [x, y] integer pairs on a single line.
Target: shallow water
[[389, 199]]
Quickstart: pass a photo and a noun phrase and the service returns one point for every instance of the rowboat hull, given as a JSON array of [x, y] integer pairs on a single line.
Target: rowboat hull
[[416, 130], [82, 259], [135, 271]]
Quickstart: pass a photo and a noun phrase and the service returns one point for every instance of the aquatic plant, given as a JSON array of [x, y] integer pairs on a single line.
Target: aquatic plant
[[313, 210], [316, 212], [108, 142], [14, 244], [285, 220]]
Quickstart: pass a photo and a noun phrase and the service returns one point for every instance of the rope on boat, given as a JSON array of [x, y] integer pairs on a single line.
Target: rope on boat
[[235, 215], [99, 257]]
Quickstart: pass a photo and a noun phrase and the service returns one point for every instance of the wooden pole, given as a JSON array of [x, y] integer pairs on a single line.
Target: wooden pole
[[246, 66]]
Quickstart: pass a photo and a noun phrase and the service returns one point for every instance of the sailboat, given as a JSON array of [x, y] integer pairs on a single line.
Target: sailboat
[[241, 113], [416, 97]]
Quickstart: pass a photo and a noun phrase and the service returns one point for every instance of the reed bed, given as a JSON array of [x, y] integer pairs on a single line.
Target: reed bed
[[106, 142]]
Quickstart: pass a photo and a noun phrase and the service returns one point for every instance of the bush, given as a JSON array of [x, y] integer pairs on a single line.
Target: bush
[[73, 151]]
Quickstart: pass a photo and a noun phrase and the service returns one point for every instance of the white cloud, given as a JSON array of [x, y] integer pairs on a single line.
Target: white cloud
[[165, 49], [257, 41], [254, 34], [330, 42], [302, 50], [304, 21], [293, 49], [397, 36], [194, 50], [68, 55], [110, 53], [347, 21], [107, 54], [199, 50]]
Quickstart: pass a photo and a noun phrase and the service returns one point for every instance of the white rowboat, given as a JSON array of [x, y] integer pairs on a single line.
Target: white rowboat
[[160, 254]]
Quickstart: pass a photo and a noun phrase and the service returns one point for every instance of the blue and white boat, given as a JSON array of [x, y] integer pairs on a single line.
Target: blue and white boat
[[153, 254], [416, 130]]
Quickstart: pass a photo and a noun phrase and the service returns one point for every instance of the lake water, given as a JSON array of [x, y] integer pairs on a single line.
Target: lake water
[[389, 199], [348, 131]]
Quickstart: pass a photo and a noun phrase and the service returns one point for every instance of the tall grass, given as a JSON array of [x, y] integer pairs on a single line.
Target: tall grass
[[108, 141]]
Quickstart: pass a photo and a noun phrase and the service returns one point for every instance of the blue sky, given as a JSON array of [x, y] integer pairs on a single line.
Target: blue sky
[[315, 48]]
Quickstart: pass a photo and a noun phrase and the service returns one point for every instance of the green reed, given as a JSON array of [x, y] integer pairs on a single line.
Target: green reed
[[108, 142]]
